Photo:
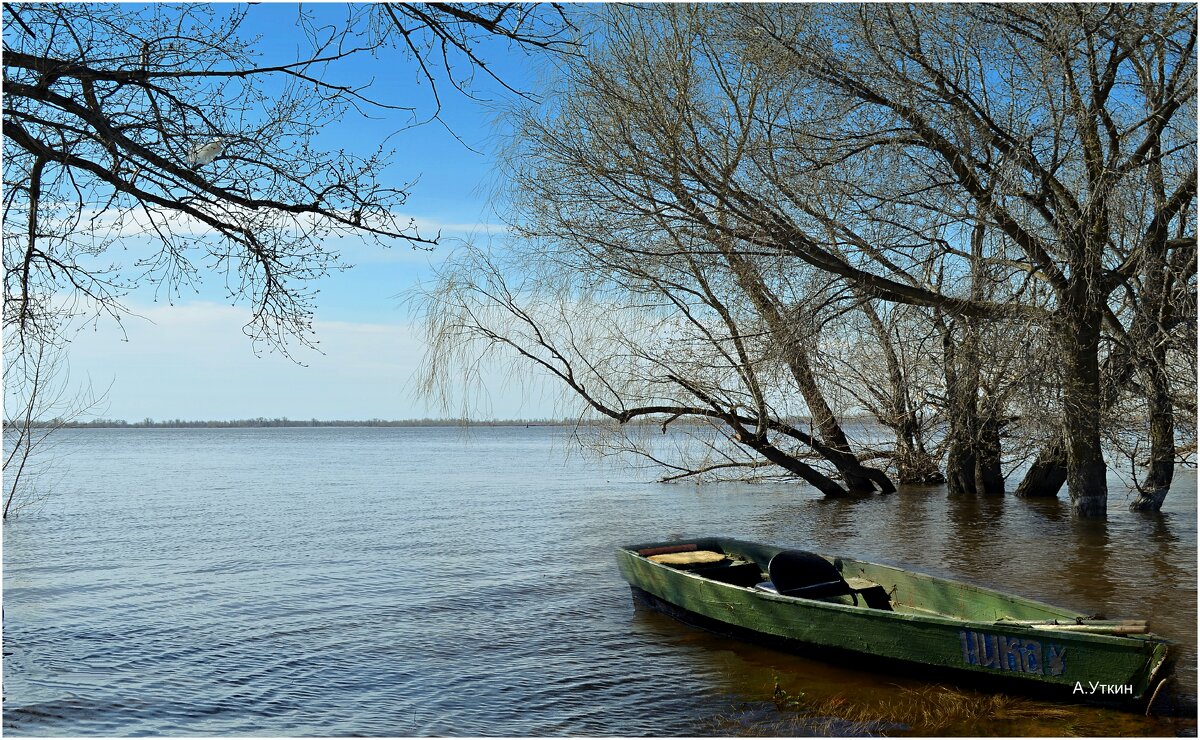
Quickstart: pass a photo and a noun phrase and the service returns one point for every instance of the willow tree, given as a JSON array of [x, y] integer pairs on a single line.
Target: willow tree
[[870, 143], [597, 182], [881, 359]]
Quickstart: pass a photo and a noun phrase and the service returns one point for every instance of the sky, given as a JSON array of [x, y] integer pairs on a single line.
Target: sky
[[189, 359]]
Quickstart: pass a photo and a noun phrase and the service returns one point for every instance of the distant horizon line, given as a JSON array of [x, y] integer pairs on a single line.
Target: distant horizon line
[[285, 422]]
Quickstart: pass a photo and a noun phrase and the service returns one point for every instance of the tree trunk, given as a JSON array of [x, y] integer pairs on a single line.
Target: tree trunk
[[960, 412], [1162, 440], [913, 462], [960, 466], [822, 416], [973, 456], [1049, 470], [1047, 474], [1086, 472], [1150, 348], [858, 477], [807, 473], [989, 479]]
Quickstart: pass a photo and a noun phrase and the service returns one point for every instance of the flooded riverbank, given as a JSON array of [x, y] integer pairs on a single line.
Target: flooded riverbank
[[418, 582]]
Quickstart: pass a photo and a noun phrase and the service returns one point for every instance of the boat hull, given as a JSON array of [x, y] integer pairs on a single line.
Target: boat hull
[[1089, 667]]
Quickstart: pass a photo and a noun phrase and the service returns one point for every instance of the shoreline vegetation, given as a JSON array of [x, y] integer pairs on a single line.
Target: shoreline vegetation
[[283, 421], [263, 422]]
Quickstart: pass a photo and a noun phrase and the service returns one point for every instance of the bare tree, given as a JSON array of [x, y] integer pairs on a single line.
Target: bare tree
[[670, 342], [1037, 117], [737, 352], [444, 39], [152, 146], [875, 144], [882, 361], [107, 113]]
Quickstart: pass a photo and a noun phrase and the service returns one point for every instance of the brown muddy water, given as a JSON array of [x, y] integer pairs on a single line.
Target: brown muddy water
[[316, 582]]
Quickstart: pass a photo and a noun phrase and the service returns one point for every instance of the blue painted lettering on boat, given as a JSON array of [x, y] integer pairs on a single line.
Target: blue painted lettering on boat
[[1033, 656], [1015, 654], [1012, 654], [987, 650], [970, 657]]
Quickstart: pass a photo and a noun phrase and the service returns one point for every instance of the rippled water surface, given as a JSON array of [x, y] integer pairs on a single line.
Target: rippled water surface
[[379, 581]]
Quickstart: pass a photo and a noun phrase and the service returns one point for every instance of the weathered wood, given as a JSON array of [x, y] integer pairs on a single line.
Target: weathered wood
[[695, 557], [1077, 621], [935, 622], [1099, 629]]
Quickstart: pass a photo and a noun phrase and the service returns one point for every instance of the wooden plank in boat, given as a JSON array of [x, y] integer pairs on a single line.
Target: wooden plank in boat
[[696, 557]]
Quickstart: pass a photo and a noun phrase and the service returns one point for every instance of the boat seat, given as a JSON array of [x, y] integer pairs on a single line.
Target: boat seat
[[874, 595], [689, 559], [807, 575]]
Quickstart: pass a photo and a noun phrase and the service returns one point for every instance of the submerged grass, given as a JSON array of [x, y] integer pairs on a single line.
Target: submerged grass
[[931, 710]]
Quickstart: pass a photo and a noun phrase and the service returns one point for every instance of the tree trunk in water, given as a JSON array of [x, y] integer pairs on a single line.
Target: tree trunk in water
[[973, 460], [805, 472], [1086, 472], [913, 462], [827, 425], [973, 456], [989, 479], [1150, 343], [1049, 470], [1162, 441], [858, 477], [960, 410], [1047, 474], [960, 467]]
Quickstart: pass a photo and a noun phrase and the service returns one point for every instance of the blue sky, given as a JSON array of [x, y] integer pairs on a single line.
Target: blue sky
[[190, 359]]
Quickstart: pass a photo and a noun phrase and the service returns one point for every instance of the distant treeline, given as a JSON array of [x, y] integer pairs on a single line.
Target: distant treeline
[[263, 422], [286, 422]]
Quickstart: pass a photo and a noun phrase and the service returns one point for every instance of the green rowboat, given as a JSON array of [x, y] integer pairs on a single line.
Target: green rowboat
[[944, 626]]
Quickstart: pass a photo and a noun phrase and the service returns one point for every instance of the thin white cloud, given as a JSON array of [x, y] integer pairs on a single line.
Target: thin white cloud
[[192, 361]]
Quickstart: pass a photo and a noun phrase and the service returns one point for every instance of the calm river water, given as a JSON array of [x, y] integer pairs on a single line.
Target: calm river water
[[375, 581]]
